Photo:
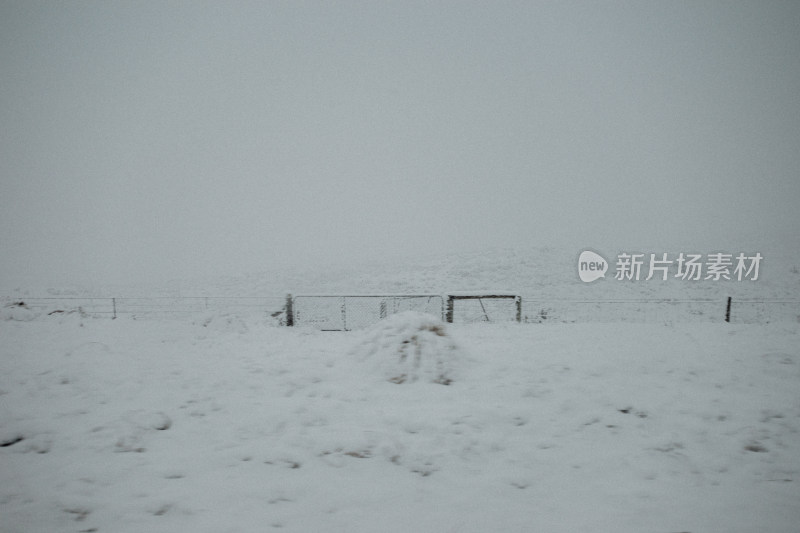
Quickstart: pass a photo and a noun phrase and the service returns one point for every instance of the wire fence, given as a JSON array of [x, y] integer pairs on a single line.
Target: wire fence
[[344, 312], [661, 310], [151, 307]]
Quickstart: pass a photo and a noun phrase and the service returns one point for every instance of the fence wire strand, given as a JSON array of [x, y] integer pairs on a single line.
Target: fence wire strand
[[344, 312]]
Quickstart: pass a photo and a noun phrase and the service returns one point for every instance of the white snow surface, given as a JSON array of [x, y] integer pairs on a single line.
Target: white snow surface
[[644, 420], [228, 424]]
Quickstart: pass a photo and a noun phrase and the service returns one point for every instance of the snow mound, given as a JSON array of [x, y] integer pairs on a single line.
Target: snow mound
[[409, 347]]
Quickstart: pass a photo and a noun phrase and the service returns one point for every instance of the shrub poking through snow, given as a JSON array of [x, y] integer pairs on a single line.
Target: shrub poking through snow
[[410, 346]]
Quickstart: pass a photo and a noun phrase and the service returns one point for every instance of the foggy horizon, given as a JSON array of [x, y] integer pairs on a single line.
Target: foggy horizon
[[146, 141]]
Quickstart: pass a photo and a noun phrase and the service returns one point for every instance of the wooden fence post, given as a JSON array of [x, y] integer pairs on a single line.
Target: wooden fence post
[[449, 313], [289, 311], [728, 310]]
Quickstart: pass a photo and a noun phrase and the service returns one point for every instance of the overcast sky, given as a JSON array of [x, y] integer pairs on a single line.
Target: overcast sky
[[144, 141]]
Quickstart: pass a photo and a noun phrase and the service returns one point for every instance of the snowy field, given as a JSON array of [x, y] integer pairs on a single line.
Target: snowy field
[[227, 424], [177, 176]]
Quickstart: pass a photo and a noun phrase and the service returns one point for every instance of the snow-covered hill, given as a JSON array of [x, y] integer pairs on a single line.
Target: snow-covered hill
[[548, 272]]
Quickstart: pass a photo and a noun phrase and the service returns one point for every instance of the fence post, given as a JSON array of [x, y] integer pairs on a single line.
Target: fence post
[[114, 307], [518, 301], [449, 313], [289, 311], [728, 310]]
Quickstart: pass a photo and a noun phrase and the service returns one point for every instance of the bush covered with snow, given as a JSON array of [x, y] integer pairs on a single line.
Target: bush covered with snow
[[409, 347]]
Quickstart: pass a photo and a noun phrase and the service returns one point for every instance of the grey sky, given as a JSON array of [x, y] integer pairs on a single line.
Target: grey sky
[[143, 141]]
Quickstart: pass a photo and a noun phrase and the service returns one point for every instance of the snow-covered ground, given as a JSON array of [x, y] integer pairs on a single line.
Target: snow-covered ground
[[225, 422], [229, 425]]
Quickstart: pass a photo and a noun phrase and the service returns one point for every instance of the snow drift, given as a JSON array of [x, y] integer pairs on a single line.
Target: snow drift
[[409, 347]]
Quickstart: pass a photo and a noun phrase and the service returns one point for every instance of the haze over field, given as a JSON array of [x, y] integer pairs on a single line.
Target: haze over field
[[145, 141]]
